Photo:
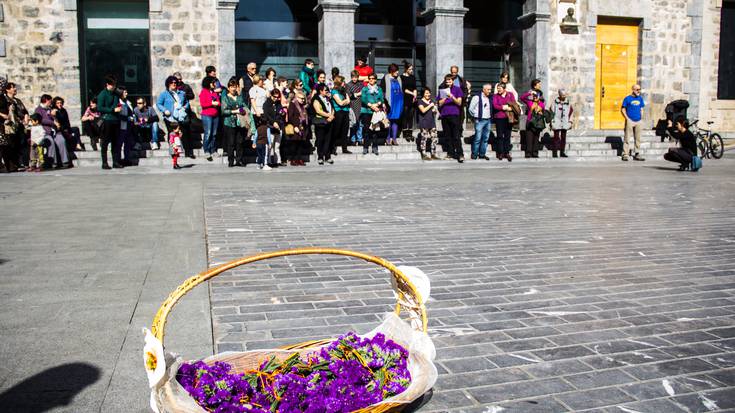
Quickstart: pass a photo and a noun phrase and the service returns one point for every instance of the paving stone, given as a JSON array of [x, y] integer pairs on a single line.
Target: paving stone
[[598, 379], [589, 399], [520, 390], [708, 401], [669, 368]]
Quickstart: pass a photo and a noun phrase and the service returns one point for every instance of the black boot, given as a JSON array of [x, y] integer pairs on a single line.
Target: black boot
[[563, 155], [554, 154]]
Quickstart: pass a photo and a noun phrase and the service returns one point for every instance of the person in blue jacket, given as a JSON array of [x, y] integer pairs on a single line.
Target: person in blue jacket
[[174, 106]]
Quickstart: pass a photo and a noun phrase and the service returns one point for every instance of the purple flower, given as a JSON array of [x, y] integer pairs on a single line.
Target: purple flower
[[348, 374]]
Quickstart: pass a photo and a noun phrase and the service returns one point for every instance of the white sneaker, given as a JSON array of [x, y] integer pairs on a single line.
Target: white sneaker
[[266, 168]]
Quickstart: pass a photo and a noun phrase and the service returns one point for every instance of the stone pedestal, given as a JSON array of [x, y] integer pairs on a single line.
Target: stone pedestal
[[535, 20], [337, 35], [226, 39], [444, 38]]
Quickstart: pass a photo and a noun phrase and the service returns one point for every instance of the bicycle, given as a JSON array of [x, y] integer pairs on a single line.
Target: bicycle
[[709, 143]]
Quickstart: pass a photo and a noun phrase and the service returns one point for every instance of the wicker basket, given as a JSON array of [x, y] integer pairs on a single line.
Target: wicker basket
[[168, 396]]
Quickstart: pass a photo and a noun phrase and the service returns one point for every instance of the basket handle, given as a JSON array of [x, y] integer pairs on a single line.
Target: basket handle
[[407, 292]]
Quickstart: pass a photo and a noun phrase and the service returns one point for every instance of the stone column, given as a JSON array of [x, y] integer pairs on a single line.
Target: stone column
[[695, 11], [68, 80], [535, 20], [444, 38], [226, 39], [159, 33], [336, 35]]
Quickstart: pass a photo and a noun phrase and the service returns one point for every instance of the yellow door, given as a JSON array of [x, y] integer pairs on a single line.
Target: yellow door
[[616, 69]]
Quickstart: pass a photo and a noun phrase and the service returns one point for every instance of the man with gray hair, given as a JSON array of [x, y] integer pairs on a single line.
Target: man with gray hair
[[482, 113], [246, 82]]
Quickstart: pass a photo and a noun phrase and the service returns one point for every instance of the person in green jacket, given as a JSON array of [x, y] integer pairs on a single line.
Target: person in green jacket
[[108, 104], [234, 110], [307, 77], [372, 102]]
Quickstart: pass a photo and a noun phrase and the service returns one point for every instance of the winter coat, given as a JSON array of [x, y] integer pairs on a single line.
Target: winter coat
[[562, 111]]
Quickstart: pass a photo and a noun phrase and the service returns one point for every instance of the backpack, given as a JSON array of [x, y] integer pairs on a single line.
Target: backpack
[[696, 163]]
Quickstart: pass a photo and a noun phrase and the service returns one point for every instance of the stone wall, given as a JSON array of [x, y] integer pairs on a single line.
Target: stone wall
[[42, 51], [664, 54], [184, 37], [722, 112]]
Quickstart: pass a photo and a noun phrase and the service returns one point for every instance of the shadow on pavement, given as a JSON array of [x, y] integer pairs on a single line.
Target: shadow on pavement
[[419, 403], [663, 168], [54, 387]]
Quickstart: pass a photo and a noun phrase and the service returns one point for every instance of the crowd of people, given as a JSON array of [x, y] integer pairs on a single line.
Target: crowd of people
[[283, 122]]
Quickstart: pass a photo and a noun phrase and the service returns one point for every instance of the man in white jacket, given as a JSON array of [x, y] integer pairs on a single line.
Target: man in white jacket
[[481, 111]]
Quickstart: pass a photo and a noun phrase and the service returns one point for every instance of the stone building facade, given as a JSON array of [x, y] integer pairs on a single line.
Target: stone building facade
[[677, 48]]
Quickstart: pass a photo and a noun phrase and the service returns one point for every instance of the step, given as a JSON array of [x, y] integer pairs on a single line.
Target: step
[[411, 147]]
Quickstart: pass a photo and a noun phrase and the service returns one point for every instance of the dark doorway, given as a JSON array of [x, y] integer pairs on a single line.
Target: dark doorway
[[114, 40]]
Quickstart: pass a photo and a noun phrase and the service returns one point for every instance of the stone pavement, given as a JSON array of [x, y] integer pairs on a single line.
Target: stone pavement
[[85, 261], [601, 287]]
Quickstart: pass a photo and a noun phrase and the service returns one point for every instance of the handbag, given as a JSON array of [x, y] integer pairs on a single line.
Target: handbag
[[289, 130], [696, 163], [9, 128], [537, 122]]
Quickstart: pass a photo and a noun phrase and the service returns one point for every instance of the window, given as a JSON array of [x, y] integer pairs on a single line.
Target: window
[[726, 73], [291, 11], [276, 33], [114, 41], [492, 40]]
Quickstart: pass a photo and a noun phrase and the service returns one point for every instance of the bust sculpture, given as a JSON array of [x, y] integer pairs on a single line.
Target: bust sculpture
[[569, 18]]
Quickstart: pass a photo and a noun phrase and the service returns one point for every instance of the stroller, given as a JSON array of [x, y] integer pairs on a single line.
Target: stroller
[[665, 127]]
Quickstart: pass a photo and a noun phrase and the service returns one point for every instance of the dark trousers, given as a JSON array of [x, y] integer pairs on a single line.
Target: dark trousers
[[369, 136], [22, 146], [407, 117], [340, 128], [502, 129], [110, 134], [678, 155], [532, 142], [73, 139], [127, 141], [560, 140], [90, 129], [298, 149], [452, 127], [323, 141], [260, 149], [9, 156], [234, 145]]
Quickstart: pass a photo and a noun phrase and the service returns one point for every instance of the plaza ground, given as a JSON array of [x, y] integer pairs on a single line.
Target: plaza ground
[[576, 286]]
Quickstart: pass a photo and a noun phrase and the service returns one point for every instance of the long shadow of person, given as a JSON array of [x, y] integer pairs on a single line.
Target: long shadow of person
[[54, 387]]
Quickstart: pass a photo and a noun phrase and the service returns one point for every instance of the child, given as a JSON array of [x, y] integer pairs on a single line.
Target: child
[[260, 144], [38, 134], [91, 123], [174, 144], [427, 123]]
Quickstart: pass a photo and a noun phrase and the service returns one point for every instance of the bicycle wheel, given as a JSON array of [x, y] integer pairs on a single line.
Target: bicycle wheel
[[716, 147], [702, 145]]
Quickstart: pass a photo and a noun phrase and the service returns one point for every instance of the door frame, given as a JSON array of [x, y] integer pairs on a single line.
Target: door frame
[[606, 34]]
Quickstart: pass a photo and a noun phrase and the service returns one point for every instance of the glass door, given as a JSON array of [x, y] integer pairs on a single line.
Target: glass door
[[114, 40]]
